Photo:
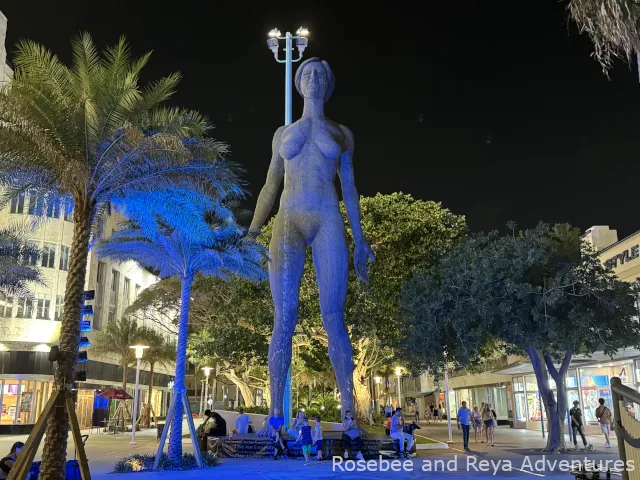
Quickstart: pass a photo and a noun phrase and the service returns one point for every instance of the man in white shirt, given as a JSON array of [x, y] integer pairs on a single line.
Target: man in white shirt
[[398, 433], [242, 422]]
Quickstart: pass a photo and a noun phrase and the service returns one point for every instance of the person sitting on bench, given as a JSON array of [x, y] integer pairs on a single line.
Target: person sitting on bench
[[398, 433]]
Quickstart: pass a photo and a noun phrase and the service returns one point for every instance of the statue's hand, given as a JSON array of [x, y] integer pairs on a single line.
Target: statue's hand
[[362, 255]]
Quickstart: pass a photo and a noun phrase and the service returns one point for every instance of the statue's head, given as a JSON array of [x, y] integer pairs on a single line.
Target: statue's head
[[314, 79]]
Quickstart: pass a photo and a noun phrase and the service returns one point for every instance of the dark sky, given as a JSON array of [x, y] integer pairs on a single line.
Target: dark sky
[[496, 110]]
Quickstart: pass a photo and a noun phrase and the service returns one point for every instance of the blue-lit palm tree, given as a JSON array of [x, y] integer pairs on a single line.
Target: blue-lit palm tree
[[18, 263], [223, 252], [90, 135]]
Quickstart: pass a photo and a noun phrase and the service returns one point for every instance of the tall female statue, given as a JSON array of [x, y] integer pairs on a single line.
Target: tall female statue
[[308, 154]]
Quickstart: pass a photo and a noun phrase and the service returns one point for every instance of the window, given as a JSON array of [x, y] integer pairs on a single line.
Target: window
[[32, 259], [17, 204], [137, 291], [68, 216], [36, 204], [113, 295], [64, 257], [53, 208], [59, 308], [44, 306], [25, 308], [6, 305], [49, 255], [126, 291], [97, 307]]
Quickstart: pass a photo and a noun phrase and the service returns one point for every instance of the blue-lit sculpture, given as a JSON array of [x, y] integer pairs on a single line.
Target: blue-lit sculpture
[[307, 155]]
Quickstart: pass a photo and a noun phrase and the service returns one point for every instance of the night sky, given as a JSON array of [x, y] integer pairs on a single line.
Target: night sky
[[498, 111]]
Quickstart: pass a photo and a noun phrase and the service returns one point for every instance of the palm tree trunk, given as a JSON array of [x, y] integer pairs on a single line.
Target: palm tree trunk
[[175, 439], [125, 370], [54, 455], [147, 420]]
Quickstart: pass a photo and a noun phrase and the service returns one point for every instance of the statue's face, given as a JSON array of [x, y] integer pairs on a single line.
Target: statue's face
[[314, 81]]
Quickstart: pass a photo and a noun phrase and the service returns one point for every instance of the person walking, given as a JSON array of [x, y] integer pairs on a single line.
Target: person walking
[[489, 422], [603, 414], [305, 438], [431, 409], [476, 421], [417, 415], [464, 422], [576, 424], [398, 433]]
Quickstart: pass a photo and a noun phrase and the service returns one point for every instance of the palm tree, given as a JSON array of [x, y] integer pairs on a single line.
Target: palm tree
[[612, 25], [222, 253], [91, 135], [160, 352], [18, 263], [116, 339]]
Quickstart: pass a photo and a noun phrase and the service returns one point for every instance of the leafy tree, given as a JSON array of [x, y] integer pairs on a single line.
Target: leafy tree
[[612, 25], [539, 292], [160, 352], [18, 263], [88, 136], [116, 339], [220, 253]]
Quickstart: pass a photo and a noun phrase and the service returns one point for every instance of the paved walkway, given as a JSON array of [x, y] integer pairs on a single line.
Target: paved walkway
[[508, 459]]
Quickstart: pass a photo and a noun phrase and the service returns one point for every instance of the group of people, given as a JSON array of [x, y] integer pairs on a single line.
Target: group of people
[[307, 437], [604, 417], [483, 420]]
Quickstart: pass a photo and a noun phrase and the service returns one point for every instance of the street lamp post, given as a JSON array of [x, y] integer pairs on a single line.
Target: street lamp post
[[207, 372], [446, 397], [273, 42], [202, 399], [399, 375], [378, 380], [139, 350]]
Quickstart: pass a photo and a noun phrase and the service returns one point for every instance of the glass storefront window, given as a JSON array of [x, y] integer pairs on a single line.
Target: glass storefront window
[[9, 401], [521, 408], [531, 384], [518, 384], [533, 406]]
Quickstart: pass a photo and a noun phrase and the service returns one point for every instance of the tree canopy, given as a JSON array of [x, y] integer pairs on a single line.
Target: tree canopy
[[540, 292]]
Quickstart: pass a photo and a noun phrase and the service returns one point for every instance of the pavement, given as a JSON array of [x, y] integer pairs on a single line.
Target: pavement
[[516, 455]]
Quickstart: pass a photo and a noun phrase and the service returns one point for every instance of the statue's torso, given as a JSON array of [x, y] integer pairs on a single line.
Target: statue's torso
[[311, 148]]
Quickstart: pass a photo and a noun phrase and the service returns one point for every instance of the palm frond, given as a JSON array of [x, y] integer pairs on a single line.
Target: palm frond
[[612, 25], [18, 262]]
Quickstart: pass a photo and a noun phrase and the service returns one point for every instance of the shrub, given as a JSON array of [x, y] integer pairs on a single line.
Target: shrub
[[141, 462]]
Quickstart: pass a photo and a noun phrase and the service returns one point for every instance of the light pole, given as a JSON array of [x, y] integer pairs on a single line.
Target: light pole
[[378, 380], [273, 42], [446, 396], [207, 372], [399, 375], [139, 350], [202, 399]]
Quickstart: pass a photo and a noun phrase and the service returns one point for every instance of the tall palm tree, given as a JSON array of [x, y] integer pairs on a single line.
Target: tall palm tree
[[612, 25], [92, 135], [116, 339], [222, 253], [18, 263], [160, 352]]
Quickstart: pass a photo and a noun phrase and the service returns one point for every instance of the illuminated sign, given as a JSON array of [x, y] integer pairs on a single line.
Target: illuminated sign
[[625, 256]]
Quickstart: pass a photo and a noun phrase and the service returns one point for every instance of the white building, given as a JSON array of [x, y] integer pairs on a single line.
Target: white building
[[5, 71], [30, 326]]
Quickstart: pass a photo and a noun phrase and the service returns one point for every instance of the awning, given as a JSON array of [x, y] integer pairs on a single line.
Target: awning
[[424, 394]]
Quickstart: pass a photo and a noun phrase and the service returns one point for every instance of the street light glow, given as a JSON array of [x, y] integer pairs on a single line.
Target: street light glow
[[274, 32], [302, 31], [398, 371], [207, 371], [378, 380], [139, 350]]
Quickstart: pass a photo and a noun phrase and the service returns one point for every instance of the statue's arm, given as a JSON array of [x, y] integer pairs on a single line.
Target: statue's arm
[[268, 193], [349, 191]]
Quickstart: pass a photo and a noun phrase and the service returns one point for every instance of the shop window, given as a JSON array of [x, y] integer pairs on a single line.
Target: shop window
[[520, 407]]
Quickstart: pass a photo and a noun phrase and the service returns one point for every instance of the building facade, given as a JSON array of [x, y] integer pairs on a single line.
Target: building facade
[[5, 71]]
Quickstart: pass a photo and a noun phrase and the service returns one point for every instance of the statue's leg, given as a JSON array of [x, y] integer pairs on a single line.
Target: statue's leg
[[286, 265], [331, 263]]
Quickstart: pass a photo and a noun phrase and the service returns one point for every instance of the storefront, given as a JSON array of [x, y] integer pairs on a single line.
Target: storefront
[[594, 384], [23, 400], [495, 395]]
